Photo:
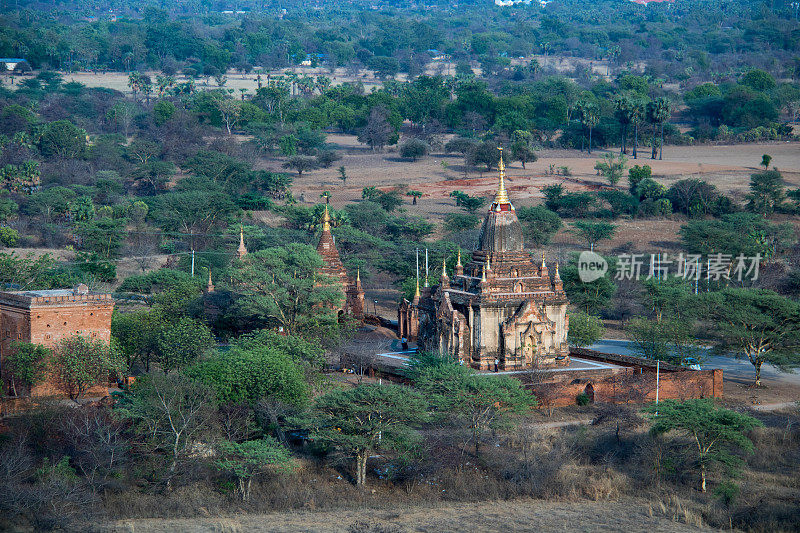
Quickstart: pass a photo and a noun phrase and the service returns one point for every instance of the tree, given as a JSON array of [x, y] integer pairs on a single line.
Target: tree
[[472, 203], [63, 139], [378, 132], [250, 459], [365, 419], [592, 297], [658, 113], [480, 401], [522, 147], [414, 149], [758, 324], [231, 112], [593, 232], [26, 365], [612, 168], [589, 116], [301, 163], [180, 342], [102, 236], [283, 286], [78, 363], [715, 433], [414, 196], [767, 192], [584, 329], [539, 224], [169, 411], [342, 174], [766, 159], [737, 234]]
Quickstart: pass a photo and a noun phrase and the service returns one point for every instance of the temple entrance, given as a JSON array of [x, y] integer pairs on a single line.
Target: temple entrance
[[530, 350], [589, 391]]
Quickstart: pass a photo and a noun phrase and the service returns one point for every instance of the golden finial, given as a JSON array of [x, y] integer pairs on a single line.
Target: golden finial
[[488, 263], [416, 293], [502, 195], [557, 276], [358, 275], [326, 220], [242, 251], [444, 268], [543, 265], [483, 277], [458, 262]]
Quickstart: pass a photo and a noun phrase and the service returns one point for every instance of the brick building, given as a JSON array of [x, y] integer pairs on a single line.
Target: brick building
[[333, 267], [45, 317]]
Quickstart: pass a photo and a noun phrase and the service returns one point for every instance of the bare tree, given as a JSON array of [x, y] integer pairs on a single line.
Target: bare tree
[[362, 354]]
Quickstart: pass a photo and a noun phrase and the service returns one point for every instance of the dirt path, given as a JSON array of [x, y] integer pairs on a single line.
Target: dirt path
[[515, 515]]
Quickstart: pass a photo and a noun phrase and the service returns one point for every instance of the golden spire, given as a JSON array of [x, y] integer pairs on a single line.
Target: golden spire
[[444, 268], [543, 265], [458, 262], [502, 195], [483, 277], [416, 293], [326, 220], [210, 286], [557, 276], [358, 275], [488, 263], [242, 251]]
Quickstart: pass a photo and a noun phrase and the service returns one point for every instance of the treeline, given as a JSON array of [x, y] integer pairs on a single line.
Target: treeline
[[689, 41]]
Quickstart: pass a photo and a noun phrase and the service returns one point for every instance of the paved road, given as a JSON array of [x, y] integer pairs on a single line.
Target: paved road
[[736, 370]]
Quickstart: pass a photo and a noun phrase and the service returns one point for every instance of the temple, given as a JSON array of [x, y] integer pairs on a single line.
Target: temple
[[499, 305], [332, 266]]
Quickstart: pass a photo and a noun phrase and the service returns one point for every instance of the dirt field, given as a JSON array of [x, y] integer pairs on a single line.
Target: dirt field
[[514, 515]]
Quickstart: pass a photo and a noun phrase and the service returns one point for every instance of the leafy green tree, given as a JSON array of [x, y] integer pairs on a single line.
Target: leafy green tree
[[758, 324], [250, 372], [301, 163], [747, 234], [78, 363], [26, 365], [181, 342], [593, 232], [472, 203], [250, 459], [758, 80], [63, 139], [522, 147], [715, 434], [767, 192], [539, 224], [103, 236], [592, 297], [362, 420], [636, 175], [482, 402], [612, 168], [455, 222], [283, 286], [766, 159], [415, 195], [584, 330]]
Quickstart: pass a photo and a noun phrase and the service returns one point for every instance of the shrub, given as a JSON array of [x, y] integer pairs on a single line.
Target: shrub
[[414, 149], [9, 237]]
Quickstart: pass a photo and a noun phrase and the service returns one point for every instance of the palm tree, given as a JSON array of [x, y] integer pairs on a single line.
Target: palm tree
[[623, 109], [589, 117], [414, 195], [639, 104], [658, 113]]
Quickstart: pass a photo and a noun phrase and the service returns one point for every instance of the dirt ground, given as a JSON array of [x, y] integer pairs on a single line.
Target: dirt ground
[[515, 515]]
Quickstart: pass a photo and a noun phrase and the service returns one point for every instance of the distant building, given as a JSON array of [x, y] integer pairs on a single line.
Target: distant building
[[12, 63], [501, 307], [45, 317]]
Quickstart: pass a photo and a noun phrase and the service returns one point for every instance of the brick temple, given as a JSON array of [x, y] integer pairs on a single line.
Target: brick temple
[[333, 267]]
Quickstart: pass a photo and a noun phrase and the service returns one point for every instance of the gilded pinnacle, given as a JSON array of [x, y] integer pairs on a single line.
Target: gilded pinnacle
[[501, 197], [458, 263], [326, 220]]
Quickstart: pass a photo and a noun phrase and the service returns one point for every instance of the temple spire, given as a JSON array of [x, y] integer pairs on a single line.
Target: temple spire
[[242, 250], [501, 198], [210, 286], [326, 220]]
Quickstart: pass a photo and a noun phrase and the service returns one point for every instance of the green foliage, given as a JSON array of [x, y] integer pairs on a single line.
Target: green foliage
[[9, 237], [593, 232], [637, 174], [539, 224], [282, 286], [367, 418], [612, 168], [737, 233], [247, 374], [767, 192], [250, 459], [758, 324], [180, 342], [715, 434], [26, 365], [414, 149], [78, 363], [481, 402], [62, 139], [584, 330], [592, 297], [455, 222]]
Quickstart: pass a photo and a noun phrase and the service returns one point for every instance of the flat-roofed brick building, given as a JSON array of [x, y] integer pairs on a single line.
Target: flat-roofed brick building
[[47, 316]]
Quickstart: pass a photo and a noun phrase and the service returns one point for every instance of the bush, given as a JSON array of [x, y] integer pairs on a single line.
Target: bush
[[9, 237], [583, 399], [414, 149]]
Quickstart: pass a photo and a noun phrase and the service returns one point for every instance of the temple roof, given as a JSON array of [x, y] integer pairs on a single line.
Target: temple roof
[[501, 230]]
